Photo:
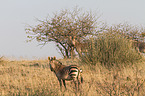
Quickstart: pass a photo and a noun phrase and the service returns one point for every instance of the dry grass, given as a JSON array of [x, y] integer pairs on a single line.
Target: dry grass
[[34, 78]]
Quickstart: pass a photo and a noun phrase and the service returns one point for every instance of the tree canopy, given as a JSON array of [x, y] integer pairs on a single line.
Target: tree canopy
[[70, 28], [65, 29]]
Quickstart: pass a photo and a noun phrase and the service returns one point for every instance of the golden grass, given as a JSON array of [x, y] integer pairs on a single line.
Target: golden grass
[[34, 78]]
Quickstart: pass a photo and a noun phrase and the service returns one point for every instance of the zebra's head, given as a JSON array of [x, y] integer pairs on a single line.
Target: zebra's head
[[53, 63]]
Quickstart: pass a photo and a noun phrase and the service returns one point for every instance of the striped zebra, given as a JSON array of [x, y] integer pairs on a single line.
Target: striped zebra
[[65, 73]]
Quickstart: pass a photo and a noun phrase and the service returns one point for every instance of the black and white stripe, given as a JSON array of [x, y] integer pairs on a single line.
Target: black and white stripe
[[63, 72]]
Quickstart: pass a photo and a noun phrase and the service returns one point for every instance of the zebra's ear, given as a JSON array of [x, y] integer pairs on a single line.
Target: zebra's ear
[[54, 58], [48, 58]]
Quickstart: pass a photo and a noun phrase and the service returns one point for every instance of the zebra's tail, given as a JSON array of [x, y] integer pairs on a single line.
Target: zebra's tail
[[82, 80], [81, 76]]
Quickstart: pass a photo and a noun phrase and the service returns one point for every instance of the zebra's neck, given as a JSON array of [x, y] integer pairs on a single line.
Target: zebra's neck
[[58, 68]]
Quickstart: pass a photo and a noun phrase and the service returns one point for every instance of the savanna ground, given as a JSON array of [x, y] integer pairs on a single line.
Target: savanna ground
[[34, 78]]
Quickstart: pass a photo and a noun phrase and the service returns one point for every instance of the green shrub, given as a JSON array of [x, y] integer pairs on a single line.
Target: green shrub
[[110, 48]]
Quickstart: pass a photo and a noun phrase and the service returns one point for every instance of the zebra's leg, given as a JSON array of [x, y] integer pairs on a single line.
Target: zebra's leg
[[60, 83], [75, 84], [64, 83], [78, 81]]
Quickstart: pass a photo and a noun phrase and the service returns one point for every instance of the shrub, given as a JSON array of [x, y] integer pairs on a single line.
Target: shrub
[[110, 48]]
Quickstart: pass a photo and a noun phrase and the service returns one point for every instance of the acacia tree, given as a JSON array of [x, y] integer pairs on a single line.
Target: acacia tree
[[64, 28]]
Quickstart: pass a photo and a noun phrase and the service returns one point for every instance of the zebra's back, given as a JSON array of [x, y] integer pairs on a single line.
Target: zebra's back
[[68, 72]]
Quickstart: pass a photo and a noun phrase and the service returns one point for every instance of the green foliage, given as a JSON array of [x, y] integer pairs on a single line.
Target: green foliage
[[110, 48]]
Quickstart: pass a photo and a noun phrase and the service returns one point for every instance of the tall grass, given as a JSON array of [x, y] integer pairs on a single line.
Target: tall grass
[[34, 78], [110, 48]]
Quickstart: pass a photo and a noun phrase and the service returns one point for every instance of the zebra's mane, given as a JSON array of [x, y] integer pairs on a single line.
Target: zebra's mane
[[59, 62], [58, 65]]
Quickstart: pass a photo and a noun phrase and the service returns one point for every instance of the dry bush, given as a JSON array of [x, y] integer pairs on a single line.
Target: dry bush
[[109, 49]]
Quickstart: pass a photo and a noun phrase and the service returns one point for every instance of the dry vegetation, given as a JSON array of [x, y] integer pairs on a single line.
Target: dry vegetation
[[34, 78]]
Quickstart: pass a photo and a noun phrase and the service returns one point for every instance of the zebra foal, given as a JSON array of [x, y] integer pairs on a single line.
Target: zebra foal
[[65, 73]]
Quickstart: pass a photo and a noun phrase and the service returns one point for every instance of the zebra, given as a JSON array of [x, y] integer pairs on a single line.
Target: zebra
[[65, 73]]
